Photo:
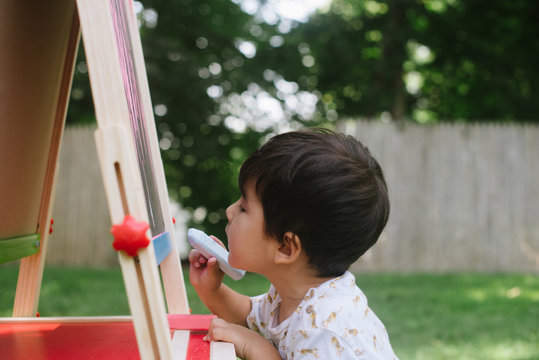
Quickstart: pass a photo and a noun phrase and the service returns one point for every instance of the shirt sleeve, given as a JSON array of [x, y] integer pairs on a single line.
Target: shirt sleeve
[[256, 319]]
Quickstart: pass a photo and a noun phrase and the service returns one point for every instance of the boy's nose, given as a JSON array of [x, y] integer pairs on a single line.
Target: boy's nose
[[228, 212]]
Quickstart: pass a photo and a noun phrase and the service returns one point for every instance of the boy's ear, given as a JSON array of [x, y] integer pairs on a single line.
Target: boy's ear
[[289, 250]]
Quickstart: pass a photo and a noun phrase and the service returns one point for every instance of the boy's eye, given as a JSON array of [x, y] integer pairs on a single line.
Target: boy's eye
[[241, 208]]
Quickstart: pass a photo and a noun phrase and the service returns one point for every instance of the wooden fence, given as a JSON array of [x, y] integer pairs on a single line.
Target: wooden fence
[[81, 230], [464, 198]]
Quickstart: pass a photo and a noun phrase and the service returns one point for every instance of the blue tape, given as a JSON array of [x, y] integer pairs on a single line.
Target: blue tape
[[162, 246]]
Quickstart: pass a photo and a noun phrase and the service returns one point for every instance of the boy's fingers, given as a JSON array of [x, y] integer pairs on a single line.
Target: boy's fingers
[[218, 241], [214, 330], [193, 258], [213, 267], [196, 258], [193, 254]]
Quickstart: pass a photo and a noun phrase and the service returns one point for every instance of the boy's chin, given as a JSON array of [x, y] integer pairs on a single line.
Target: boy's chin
[[234, 263]]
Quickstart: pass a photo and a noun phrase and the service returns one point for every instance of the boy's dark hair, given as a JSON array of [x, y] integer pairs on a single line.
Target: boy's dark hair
[[326, 188]]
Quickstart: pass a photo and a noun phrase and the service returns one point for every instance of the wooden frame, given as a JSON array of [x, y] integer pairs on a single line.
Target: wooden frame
[[37, 68], [112, 45]]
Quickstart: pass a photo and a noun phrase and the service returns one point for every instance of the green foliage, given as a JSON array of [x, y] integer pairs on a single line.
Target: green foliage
[[190, 47], [424, 60], [442, 316], [484, 61]]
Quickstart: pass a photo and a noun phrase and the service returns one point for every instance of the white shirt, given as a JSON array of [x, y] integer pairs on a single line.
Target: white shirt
[[333, 321]]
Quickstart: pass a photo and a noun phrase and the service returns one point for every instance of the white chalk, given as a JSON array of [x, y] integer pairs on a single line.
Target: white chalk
[[209, 247]]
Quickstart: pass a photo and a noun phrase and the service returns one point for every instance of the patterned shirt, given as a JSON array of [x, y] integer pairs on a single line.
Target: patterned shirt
[[333, 321]]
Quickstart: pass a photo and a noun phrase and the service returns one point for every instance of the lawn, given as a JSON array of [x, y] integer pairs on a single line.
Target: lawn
[[449, 316]]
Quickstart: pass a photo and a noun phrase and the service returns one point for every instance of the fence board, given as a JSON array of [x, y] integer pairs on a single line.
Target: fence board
[[464, 198]]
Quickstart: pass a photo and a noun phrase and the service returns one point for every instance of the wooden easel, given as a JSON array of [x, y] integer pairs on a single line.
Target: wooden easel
[[43, 39]]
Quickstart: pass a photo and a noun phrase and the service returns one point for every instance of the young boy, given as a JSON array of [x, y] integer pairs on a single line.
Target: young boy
[[312, 202]]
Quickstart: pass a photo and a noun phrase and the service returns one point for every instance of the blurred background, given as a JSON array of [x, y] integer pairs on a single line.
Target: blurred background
[[444, 93]]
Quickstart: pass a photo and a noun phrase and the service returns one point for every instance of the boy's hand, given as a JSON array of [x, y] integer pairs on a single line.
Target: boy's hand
[[248, 344], [204, 274]]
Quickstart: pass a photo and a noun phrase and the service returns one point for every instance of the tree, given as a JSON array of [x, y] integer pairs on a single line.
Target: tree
[[193, 59], [212, 67], [425, 60]]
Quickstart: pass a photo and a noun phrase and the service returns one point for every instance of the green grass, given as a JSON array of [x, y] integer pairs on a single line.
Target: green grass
[[458, 316], [452, 316]]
